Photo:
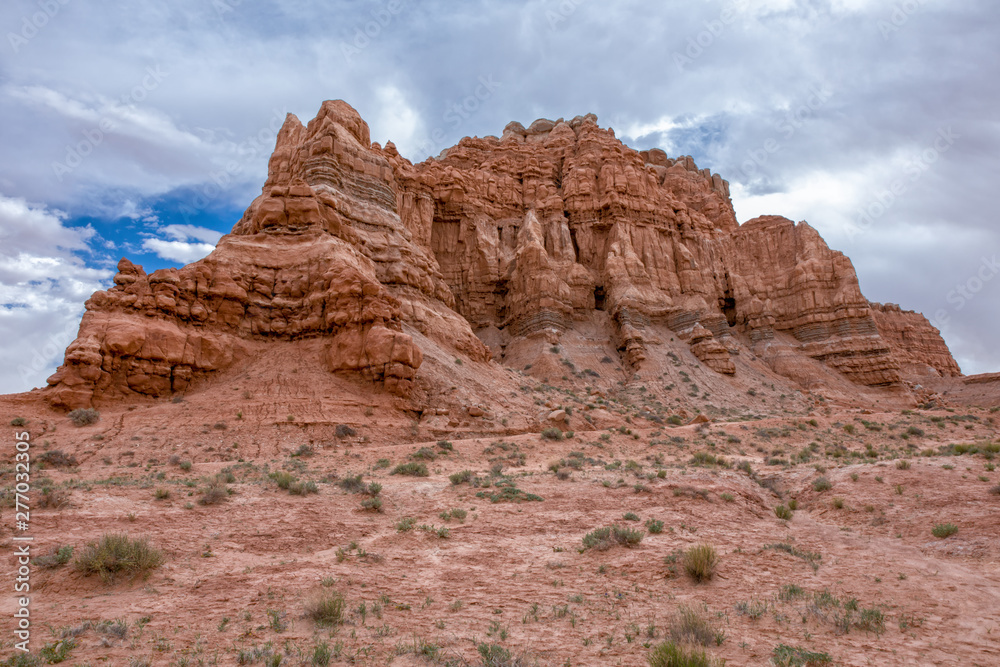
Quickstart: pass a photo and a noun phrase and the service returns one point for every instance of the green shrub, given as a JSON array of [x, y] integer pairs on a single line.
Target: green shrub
[[821, 484], [793, 656], [630, 516], [654, 526], [18, 421], [373, 504], [214, 494], [670, 654], [943, 530], [463, 477], [117, 554], [609, 536], [783, 512], [59, 556], [424, 454], [161, 494], [690, 627], [700, 561], [84, 416], [412, 469], [552, 433], [326, 609], [57, 651], [282, 478], [303, 488]]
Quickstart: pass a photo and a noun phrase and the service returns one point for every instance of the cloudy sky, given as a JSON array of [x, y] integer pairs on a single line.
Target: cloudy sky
[[142, 129]]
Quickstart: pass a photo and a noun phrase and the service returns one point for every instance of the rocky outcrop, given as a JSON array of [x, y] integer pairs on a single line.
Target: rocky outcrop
[[502, 237], [914, 341]]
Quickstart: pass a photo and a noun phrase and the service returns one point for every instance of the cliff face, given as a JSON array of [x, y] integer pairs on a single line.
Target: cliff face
[[501, 237], [914, 341]]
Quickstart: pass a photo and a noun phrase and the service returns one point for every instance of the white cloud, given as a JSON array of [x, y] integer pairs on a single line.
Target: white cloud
[[188, 243], [185, 232], [42, 289]]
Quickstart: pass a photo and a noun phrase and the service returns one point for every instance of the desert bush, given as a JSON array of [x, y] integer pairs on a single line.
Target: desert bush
[[282, 478], [670, 654], [943, 530], [552, 433], [326, 608], [609, 536], [373, 504], [424, 454], [84, 416], [57, 459], [821, 484], [58, 556], [463, 477], [793, 656], [161, 494], [302, 488], [690, 627], [700, 561], [18, 421], [53, 497], [783, 512], [344, 431], [117, 554], [213, 494], [903, 464], [654, 526], [412, 469]]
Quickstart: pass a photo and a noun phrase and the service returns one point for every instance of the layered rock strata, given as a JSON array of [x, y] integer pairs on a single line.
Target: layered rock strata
[[501, 236]]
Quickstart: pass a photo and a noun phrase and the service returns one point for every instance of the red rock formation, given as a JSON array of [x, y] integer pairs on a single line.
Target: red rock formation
[[502, 236], [915, 343]]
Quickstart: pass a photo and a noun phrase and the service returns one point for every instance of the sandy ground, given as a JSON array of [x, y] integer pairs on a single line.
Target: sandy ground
[[855, 573]]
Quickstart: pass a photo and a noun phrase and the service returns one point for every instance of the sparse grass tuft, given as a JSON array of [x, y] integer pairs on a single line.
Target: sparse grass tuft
[[412, 469], [84, 416], [690, 627], [670, 654], [326, 608], [117, 554], [783, 513], [609, 536], [793, 656], [700, 562], [821, 484], [943, 530]]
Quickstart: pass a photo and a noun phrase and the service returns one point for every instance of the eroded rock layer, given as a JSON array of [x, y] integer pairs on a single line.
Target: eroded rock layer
[[914, 341], [501, 237]]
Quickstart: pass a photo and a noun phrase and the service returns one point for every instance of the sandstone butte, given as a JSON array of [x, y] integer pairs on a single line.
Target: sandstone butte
[[426, 387], [492, 253]]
